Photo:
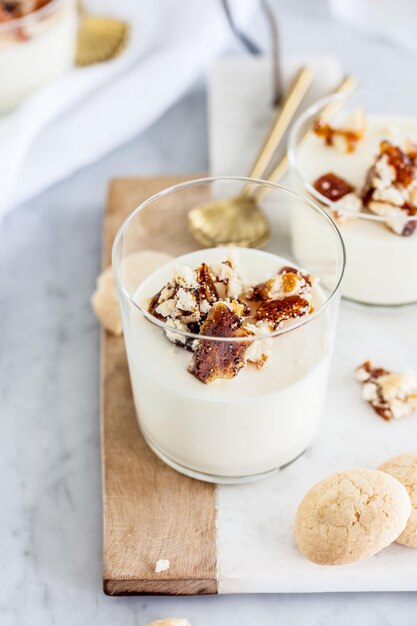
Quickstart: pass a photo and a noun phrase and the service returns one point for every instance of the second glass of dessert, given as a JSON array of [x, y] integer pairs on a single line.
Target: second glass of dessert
[[37, 43], [361, 165], [228, 348]]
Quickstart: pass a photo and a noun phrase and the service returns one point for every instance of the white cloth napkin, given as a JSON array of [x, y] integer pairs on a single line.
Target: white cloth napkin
[[392, 20], [84, 114]]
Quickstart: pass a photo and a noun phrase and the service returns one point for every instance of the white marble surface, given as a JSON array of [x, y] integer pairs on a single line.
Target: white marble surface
[[256, 547], [256, 550], [50, 518]]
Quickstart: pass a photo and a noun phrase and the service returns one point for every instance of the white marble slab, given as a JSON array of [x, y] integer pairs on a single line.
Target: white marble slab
[[256, 547], [240, 107]]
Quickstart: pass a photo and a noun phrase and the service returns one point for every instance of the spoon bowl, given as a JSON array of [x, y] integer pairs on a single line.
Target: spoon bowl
[[236, 220]]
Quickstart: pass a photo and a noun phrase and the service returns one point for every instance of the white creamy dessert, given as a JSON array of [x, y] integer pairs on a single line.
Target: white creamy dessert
[[267, 412], [381, 255], [37, 43]]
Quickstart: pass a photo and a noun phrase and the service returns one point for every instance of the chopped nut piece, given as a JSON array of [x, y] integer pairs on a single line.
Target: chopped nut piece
[[332, 187], [213, 360], [390, 395], [135, 268]]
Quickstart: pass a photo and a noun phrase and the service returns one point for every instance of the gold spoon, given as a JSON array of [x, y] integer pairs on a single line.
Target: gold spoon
[[99, 38], [237, 220]]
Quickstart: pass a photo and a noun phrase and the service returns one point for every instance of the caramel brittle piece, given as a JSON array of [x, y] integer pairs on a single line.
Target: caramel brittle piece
[[278, 311], [402, 163], [288, 281], [390, 188], [332, 186], [219, 359], [207, 288], [390, 395]]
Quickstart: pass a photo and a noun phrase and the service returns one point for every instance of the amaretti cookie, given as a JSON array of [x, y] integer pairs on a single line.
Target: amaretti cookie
[[404, 469], [351, 515], [136, 267]]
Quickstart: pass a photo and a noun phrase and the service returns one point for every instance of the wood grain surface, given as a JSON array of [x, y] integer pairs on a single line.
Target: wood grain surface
[[150, 511]]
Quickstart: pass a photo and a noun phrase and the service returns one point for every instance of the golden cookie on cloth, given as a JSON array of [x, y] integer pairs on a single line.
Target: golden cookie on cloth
[[136, 267], [351, 515], [404, 469]]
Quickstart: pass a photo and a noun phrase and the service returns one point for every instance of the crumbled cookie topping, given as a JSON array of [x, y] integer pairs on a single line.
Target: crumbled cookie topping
[[390, 188], [343, 139], [216, 301], [390, 395], [13, 9]]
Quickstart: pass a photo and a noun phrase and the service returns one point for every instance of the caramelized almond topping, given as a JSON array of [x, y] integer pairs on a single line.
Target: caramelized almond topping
[[368, 188], [153, 303], [328, 133], [391, 395], [289, 280], [213, 360], [332, 186], [260, 291], [208, 289], [13, 9], [400, 161], [374, 372], [277, 311]]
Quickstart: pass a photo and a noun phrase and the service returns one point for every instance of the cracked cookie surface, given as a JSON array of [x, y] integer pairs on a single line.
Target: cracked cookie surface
[[351, 515], [404, 468]]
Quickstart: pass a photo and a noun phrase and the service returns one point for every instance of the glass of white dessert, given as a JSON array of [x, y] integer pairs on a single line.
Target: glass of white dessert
[[37, 43], [228, 348], [361, 166]]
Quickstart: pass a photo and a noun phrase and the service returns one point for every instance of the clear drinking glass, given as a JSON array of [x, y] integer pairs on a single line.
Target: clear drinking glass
[[246, 427], [34, 49], [379, 261]]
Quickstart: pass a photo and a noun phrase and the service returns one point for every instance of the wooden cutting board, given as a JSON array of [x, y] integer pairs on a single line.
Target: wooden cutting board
[[150, 511]]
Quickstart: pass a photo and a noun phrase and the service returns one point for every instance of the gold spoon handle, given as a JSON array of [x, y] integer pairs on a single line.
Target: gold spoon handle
[[282, 120], [348, 84]]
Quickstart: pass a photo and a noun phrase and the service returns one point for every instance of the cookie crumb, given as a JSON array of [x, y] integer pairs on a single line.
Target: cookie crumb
[[162, 565], [390, 395]]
